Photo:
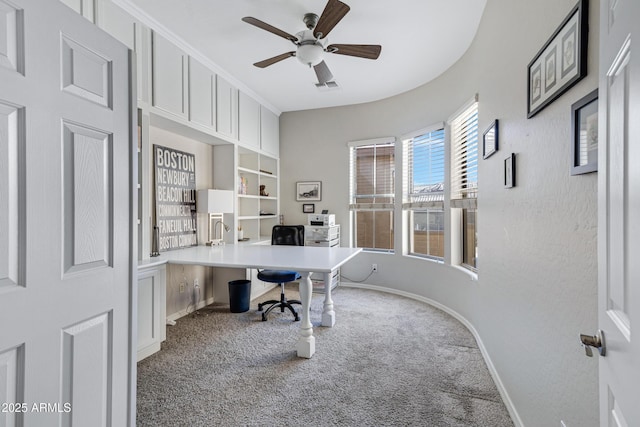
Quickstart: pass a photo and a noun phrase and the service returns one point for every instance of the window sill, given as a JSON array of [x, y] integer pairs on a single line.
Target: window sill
[[472, 274], [424, 258]]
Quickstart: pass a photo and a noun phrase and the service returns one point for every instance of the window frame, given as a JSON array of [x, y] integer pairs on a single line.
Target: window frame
[[355, 207], [432, 204]]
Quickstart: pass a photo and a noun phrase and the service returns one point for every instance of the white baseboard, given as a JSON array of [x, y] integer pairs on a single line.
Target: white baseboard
[[492, 370]]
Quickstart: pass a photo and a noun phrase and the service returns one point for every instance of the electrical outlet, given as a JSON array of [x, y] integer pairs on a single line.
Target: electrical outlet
[[196, 285], [183, 285], [374, 268]]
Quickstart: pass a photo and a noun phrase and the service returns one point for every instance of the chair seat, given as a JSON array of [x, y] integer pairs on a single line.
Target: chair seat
[[278, 276]]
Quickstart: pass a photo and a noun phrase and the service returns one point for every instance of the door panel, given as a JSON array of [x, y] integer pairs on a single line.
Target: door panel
[[618, 210], [65, 258]]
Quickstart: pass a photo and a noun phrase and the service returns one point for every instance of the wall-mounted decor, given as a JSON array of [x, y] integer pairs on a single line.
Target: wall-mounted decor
[[562, 61], [510, 171], [309, 208], [308, 191], [584, 131], [490, 140], [175, 179]]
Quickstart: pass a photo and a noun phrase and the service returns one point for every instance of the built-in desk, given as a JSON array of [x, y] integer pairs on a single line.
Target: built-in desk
[[303, 259]]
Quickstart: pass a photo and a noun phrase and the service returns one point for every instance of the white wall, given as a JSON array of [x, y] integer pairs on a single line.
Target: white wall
[[536, 288]]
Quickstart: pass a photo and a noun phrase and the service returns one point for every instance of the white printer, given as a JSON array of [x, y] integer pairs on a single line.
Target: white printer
[[326, 220]]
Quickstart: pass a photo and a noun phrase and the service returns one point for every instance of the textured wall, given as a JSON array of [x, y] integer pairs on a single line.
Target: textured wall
[[536, 286]]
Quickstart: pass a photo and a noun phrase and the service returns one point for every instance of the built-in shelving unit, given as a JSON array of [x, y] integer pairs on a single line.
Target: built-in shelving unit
[[257, 213]]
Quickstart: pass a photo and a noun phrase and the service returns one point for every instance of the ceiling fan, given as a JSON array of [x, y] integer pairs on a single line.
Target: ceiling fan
[[312, 43]]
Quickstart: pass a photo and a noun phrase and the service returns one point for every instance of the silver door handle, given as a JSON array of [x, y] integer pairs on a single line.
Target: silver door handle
[[596, 341]]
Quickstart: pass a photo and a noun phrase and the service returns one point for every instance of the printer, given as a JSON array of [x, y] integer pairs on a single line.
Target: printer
[[322, 219]]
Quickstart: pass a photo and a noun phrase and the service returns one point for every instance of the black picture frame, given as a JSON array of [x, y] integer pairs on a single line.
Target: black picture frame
[[490, 140], [510, 171], [308, 208], [562, 61], [584, 134]]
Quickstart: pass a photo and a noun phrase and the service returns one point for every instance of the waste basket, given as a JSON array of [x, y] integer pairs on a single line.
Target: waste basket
[[239, 295]]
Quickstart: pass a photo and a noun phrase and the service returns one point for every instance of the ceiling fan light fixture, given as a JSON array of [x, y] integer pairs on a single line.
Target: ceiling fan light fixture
[[309, 54]]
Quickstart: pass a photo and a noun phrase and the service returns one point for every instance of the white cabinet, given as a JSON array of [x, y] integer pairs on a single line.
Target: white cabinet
[[86, 8], [226, 108], [327, 236], [248, 121], [168, 76], [202, 95], [270, 132], [257, 210], [152, 302]]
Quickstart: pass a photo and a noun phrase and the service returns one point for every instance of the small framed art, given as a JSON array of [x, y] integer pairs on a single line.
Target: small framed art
[[584, 133], [490, 140], [308, 208], [308, 191], [510, 171]]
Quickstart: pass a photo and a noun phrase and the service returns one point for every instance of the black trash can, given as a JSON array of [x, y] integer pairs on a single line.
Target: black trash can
[[239, 295]]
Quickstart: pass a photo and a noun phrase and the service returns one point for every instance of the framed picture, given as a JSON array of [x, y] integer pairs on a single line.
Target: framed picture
[[510, 171], [584, 131], [308, 191], [490, 140], [562, 61], [309, 208]]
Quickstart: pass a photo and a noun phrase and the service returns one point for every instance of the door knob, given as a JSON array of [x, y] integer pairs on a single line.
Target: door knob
[[596, 341]]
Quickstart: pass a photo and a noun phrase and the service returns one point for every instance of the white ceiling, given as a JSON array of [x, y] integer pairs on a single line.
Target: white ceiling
[[420, 39]]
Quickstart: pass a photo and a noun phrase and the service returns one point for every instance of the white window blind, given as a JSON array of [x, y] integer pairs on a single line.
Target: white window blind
[[372, 176], [424, 162], [464, 158]]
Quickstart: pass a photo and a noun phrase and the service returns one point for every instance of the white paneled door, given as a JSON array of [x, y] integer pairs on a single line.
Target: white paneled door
[[65, 241], [619, 212]]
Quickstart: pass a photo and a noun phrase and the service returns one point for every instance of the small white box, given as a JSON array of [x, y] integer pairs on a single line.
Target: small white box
[[322, 219]]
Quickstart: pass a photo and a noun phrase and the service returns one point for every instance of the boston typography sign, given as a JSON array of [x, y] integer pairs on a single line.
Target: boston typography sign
[[175, 176]]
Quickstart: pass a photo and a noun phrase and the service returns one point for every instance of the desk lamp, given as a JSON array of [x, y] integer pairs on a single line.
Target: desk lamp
[[215, 203]]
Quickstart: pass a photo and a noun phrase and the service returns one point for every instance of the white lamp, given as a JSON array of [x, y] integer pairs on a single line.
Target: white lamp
[[215, 203]]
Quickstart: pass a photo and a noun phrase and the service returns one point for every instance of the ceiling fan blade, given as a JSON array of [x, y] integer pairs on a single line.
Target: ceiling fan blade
[[333, 12], [271, 61], [263, 25], [323, 73], [369, 51]]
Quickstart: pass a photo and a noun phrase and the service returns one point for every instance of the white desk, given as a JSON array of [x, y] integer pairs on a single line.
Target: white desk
[[303, 259]]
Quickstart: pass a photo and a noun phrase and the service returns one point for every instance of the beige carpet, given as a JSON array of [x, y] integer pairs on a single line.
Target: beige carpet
[[388, 361]]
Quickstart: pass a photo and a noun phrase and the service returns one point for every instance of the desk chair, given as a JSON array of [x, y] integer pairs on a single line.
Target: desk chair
[[292, 235]]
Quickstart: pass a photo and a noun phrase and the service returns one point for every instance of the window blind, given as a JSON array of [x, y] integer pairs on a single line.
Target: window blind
[[424, 171], [372, 178], [464, 157]]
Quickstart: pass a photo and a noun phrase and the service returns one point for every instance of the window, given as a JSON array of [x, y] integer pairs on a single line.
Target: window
[[372, 165], [464, 180], [423, 191]]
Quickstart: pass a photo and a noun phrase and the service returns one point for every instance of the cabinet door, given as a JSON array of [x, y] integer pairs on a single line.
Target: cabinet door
[[85, 8], [151, 310], [202, 92], [168, 76], [226, 108], [270, 131], [248, 121]]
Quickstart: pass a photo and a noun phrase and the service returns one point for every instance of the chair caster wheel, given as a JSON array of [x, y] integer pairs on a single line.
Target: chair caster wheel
[[264, 318], [259, 307], [296, 319]]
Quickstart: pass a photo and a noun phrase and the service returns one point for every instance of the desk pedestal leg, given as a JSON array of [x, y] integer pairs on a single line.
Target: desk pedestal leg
[[328, 315], [307, 342]]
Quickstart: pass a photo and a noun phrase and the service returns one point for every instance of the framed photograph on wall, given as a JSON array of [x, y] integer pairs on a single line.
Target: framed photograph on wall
[[490, 140], [584, 133], [308, 208], [308, 191], [510, 171], [562, 61]]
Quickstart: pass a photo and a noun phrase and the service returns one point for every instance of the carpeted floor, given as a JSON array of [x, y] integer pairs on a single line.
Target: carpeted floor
[[388, 361]]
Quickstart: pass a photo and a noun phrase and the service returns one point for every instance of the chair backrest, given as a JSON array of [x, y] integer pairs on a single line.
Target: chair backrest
[[292, 235]]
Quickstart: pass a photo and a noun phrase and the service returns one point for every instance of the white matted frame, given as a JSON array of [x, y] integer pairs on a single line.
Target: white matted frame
[[308, 191]]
